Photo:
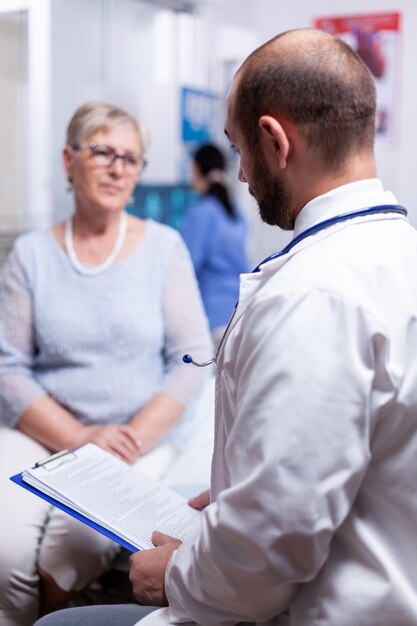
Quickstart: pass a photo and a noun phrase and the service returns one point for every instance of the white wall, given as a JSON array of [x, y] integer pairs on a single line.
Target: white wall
[[136, 55], [395, 160], [78, 73], [10, 150], [32, 89]]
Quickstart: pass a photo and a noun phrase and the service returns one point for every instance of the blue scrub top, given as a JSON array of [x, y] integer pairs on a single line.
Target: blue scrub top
[[217, 244]]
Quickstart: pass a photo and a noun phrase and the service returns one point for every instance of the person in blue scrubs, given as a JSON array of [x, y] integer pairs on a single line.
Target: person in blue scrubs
[[215, 232]]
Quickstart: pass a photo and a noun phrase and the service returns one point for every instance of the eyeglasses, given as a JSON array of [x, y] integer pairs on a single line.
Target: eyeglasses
[[105, 156]]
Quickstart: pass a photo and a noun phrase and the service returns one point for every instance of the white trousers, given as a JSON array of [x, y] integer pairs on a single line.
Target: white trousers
[[35, 535]]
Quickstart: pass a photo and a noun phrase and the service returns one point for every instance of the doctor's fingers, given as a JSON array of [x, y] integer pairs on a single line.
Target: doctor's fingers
[[147, 574], [160, 539], [201, 501]]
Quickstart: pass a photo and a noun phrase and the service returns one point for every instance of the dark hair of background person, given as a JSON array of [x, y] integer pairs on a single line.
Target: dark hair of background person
[[328, 92], [209, 158]]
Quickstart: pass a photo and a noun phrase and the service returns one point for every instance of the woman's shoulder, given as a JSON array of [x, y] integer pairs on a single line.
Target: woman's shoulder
[[206, 210], [163, 238], [162, 232], [210, 212], [33, 242], [208, 202], [30, 252], [213, 206]]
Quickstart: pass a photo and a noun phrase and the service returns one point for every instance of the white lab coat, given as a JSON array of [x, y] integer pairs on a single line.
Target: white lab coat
[[314, 473]]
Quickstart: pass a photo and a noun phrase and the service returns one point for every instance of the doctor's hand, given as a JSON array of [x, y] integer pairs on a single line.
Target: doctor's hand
[[201, 501], [147, 570], [119, 439]]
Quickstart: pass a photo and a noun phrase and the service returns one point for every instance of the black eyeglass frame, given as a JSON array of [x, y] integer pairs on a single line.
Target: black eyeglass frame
[[141, 161]]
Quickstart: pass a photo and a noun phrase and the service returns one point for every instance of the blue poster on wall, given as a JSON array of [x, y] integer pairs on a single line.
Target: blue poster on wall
[[199, 114]]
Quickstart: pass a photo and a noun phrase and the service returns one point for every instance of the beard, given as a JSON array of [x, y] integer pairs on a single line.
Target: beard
[[272, 196]]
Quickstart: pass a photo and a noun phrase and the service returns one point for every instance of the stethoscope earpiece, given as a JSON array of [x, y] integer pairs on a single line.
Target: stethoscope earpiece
[[187, 358]]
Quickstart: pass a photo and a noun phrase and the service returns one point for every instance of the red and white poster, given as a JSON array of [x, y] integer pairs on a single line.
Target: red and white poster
[[376, 38]]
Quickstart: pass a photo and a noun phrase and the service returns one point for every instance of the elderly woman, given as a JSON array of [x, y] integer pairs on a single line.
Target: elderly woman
[[95, 315]]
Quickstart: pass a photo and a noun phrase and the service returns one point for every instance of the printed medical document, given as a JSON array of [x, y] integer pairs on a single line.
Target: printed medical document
[[114, 495]]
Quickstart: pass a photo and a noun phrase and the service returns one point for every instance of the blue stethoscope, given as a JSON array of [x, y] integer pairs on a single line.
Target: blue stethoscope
[[382, 208]]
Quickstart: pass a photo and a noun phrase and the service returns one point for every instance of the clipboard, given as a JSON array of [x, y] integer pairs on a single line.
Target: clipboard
[[105, 493], [18, 480]]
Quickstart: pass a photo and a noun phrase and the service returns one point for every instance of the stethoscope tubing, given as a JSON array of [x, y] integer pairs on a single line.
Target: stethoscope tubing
[[343, 217]]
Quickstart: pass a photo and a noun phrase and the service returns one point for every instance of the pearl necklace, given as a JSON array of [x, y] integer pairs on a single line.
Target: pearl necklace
[[92, 270]]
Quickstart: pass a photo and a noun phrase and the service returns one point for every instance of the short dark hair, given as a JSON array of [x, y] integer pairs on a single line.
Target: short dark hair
[[319, 84], [209, 158]]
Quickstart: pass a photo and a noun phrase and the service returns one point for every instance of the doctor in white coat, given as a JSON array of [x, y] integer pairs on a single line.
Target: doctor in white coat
[[312, 519]]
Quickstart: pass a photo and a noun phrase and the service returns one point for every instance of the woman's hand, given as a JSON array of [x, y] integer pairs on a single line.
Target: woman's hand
[[119, 439], [57, 429], [155, 420]]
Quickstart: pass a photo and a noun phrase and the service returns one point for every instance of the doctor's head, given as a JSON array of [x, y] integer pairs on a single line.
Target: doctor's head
[[301, 115]]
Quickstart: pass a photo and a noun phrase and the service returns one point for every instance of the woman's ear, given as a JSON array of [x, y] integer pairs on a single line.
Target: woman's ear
[[275, 139], [67, 159]]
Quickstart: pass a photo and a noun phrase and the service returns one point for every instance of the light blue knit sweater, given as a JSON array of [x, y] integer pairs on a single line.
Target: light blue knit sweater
[[100, 345]]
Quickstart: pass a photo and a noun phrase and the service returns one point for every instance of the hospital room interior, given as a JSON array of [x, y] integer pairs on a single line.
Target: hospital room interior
[[168, 64]]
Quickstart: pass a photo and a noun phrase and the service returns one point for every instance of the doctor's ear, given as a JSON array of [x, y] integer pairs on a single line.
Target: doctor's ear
[[275, 138]]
